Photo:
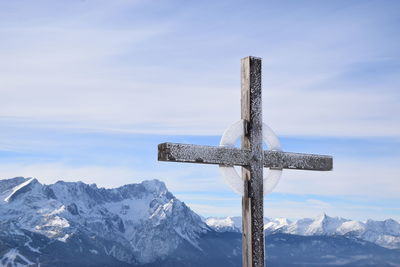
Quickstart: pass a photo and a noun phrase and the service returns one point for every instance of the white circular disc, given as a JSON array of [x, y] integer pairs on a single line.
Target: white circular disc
[[231, 177]]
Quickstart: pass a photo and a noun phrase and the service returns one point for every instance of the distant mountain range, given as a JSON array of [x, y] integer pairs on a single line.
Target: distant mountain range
[[76, 224], [383, 233]]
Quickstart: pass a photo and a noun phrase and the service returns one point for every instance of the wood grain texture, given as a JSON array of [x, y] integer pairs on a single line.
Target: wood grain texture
[[230, 156], [251, 158], [203, 154], [252, 210], [298, 161]]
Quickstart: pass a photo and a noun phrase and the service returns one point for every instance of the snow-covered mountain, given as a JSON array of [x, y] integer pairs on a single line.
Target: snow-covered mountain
[[135, 224], [228, 224], [383, 233], [76, 224]]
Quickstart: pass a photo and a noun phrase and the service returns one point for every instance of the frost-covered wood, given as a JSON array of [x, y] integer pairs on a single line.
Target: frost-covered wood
[[299, 161], [240, 157], [252, 200], [203, 154], [251, 158]]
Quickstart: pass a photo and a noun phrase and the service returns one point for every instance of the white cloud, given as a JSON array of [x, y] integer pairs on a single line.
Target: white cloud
[[76, 71], [51, 172], [364, 178], [88, 67], [184, 179], [305, 209], [217, 210]]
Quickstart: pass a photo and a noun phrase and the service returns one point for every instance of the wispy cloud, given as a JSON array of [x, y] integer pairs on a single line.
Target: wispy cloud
[[72, 72], [74, 68], [367, 177]]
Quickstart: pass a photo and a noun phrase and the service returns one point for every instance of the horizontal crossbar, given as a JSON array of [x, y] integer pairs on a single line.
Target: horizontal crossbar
[[234, 156]]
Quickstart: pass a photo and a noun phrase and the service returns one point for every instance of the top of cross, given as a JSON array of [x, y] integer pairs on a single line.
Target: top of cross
[[251, 157], [252, 136]]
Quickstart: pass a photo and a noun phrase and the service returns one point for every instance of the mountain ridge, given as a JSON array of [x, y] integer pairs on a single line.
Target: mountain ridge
[[384, 233], [63, 209], [143, 224]]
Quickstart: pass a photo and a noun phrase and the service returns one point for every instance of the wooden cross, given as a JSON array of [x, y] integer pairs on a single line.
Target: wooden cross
[[251, 158]]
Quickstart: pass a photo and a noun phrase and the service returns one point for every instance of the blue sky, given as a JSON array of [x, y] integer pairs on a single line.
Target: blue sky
[[89, 88]]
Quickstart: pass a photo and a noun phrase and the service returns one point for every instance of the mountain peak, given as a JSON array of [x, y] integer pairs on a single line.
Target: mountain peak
[[154, 185], [25, 186], [7, 184], [322, 217], [132, 216], [228, 224]]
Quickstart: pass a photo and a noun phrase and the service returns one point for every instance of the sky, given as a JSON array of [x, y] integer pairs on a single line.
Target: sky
[[89, 88]]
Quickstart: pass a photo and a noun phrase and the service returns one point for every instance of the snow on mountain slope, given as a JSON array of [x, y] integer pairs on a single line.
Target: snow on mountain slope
[[228, 224], [23, 187], [322, 225], [276, 224], [383, 233], [145, 218], [76, 224], [234, 224], [10, 259]]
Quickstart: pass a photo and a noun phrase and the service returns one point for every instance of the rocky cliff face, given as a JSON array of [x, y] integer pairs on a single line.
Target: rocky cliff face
[[76, 224], [136, 223]]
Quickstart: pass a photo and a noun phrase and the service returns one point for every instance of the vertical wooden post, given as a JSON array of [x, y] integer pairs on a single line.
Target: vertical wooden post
[[251, 158], [252, 201]]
